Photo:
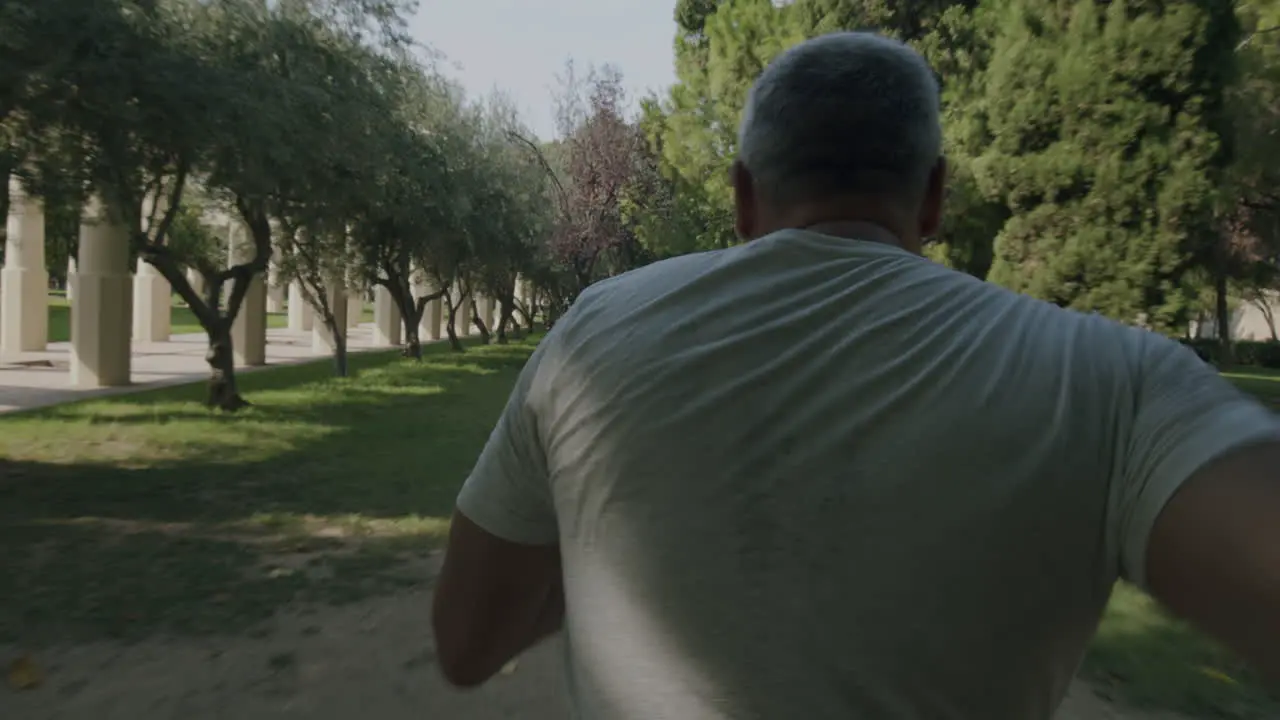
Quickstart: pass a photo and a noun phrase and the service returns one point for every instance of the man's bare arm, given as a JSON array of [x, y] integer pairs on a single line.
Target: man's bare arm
[[494, 599], [1214, 553]]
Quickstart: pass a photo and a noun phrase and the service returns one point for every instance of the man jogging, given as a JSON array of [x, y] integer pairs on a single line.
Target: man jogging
[[819, 476]]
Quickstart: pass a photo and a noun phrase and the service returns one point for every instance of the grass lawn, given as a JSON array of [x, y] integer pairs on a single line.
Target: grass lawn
[[126, 516], [1147, 659], [182, 319], [142, 513], [1262, 383]]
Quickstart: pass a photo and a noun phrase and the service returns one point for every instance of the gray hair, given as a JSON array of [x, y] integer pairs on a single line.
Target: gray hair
[[848, 112]]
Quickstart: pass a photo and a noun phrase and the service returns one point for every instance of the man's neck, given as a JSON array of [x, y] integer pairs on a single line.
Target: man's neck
[[871, 219], [856, 230]]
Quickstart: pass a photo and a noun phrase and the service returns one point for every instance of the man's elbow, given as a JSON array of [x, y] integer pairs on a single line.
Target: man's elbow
[[462, 672], [456, 654]]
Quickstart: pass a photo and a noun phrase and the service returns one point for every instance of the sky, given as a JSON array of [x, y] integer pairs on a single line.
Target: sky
[[520, 46]]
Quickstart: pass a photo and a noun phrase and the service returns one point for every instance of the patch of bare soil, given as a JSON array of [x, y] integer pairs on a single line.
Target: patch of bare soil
[[371, 659]]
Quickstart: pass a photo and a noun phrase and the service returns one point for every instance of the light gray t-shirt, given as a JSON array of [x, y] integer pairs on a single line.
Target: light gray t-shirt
[[812, 477]]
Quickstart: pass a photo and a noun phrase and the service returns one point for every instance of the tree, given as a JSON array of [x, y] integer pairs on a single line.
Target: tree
[[958, 46], [329, 189], [1253, 203], [510, 214], [137, 129], [404, 199], [140, 101], [908, 21], [659, 205], [715, 68], [1107, 146], [599, 146], [592, 171]]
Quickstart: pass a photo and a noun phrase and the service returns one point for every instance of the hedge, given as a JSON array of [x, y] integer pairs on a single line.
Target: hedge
[[1247, 352]]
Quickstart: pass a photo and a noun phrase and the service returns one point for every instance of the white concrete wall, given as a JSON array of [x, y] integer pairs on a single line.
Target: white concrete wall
[[1248, 322]]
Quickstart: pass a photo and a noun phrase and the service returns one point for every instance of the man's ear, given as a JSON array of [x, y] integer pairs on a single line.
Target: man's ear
[[934, 199], [744, 198]]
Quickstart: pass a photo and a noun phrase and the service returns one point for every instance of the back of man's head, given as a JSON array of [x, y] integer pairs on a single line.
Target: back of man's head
[[841, 115]]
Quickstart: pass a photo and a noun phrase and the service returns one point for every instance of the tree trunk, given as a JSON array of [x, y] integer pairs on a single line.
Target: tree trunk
[[223, 393], [412, 309], [1223, 319], [506, 309], [411, 316], [412, 343], [479, 322], [501, 330], [530, 312], [339, 347], [449, 328], [1264, 307]]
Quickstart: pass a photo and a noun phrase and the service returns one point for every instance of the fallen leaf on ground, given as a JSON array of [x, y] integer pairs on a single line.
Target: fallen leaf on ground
[[1218, 675], [24, 674], [510, 667]]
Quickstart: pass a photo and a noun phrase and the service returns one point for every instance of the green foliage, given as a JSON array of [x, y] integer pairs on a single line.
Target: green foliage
[[1252, 204], [311, 123], [958, 45], [660, 206], [908, 21], [698, 138], [1244, 352], [1092, 147], [193, 242], [1105, 145]]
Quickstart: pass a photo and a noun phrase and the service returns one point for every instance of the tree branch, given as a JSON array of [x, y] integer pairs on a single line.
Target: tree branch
[[1249, 38], [542, 160], [175, 203]]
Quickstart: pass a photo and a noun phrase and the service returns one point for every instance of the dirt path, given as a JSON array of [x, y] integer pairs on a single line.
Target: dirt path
[[367, 660]]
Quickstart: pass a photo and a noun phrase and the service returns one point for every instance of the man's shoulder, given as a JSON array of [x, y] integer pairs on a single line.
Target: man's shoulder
[[656, 277], [609, 299], [1086, 336]]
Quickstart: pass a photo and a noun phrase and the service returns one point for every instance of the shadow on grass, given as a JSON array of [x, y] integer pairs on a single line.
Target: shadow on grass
[[147, 513]]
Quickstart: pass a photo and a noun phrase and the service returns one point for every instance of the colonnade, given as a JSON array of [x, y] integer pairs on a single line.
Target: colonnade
[[111, 306]]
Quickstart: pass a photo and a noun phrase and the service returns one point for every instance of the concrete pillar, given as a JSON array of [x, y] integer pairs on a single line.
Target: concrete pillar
[[355, 307], [71, 274], [24, 282], [488, 307], [524, 290], [101, 318], [300, 312], [275, 291], [151, 304], [432, 319], [321, 338], [249, 329], [196, 280], [387, 322]]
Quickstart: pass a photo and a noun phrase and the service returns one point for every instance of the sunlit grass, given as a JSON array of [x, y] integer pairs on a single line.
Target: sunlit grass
[[1145, 657], [1261, 382], [125, 515]]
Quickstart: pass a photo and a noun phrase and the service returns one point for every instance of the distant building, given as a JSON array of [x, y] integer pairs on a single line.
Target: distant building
[[1250, 320]]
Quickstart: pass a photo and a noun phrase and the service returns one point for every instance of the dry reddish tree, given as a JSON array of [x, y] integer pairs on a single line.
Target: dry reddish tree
[[598, 152]]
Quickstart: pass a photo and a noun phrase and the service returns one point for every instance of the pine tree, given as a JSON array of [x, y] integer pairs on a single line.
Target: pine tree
[[1107, 145], [716, 63]]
